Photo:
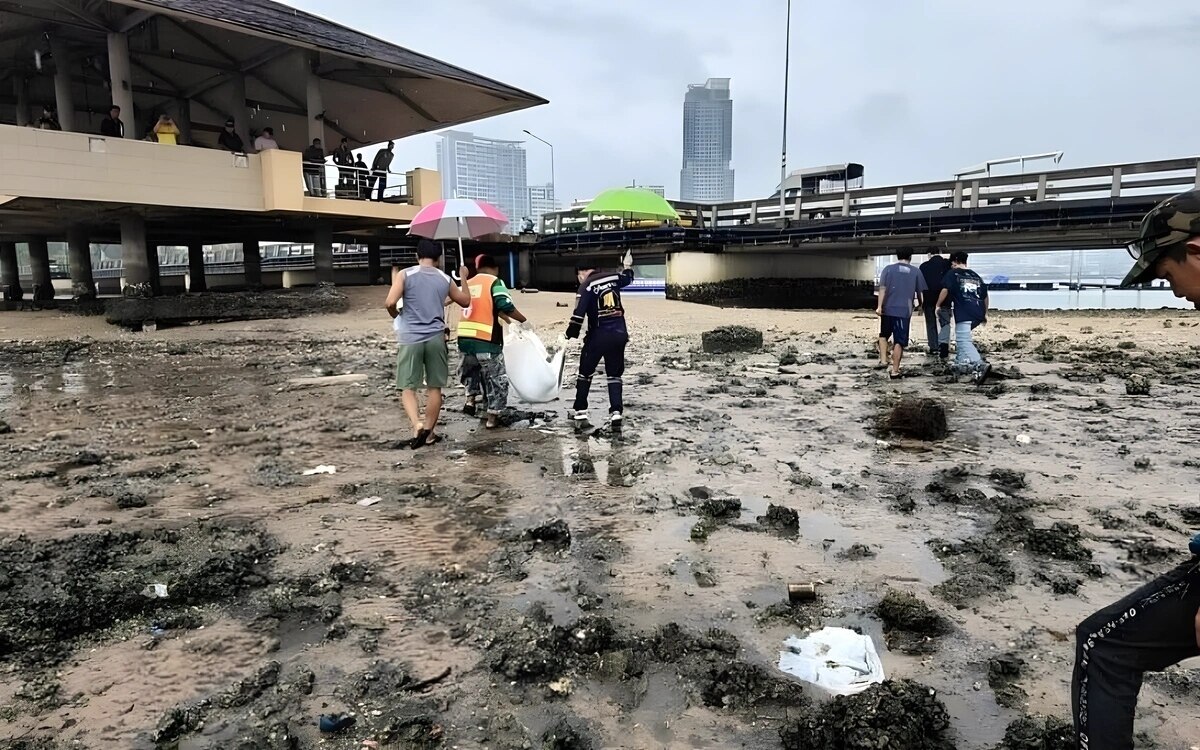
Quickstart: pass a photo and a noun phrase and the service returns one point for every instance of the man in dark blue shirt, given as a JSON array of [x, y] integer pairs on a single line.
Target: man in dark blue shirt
[[934, 270], [969, 294], [600, 304]]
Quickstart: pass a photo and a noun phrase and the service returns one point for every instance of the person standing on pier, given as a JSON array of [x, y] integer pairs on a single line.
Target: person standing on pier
[[423, 359], [900, 288], [969, 293], [600, 304], [1157, 625], [937, 323]]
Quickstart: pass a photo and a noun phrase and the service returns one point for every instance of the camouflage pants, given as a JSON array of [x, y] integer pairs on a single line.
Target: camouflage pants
[[484, 375]]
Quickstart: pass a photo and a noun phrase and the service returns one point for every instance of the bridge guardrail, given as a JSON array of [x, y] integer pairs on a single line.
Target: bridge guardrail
[[1163, 177]]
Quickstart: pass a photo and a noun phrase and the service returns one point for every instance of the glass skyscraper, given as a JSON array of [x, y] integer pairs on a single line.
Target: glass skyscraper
[[486, 169], [706, 176]]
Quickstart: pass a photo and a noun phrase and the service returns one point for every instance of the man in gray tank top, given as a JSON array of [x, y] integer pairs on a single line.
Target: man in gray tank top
[[421, 331]]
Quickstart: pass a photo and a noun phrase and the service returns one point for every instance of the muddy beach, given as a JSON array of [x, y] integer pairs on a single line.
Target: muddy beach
[[173, 579]]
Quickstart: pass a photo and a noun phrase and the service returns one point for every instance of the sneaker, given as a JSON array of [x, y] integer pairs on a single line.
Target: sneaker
[[615, 420], [580, 418], [983, 374]]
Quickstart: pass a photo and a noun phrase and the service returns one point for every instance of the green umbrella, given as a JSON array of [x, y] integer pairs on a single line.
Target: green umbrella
[[633, 203]]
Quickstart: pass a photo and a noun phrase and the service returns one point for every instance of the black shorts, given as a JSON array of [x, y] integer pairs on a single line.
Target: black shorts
[[895, 328]]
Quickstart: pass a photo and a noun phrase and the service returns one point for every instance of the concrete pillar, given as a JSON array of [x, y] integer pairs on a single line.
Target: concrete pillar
[[21, 94], [10, 274], [588, 224], [39, 262], [183, 118], [236, 97], [1042, 184], [196, 268], [314, 99], [796, 208], [558, 223], [63, 97], [846, 204], [975, 194], [79, 252], [899, 200], [152, 261], [754, 213], [1116, 182], [525, 268], [716, 215], [252, 264], [134, 259], [956, 202], [122, 89], [323, 253], [374, 274]]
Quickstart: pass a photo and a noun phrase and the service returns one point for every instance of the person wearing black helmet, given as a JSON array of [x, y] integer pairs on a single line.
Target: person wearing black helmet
[[1159, 624]]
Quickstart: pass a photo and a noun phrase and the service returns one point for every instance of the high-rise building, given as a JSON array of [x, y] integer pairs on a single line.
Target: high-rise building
[[486, 169], [541, 201], [707, 143]]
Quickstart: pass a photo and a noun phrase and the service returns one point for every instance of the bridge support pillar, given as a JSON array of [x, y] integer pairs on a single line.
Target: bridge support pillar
[[10, 273], [1116, 182], [323, 253], [374, 273], [196, 281], [79, 251], [39, 262], [754, 213], [525, 268], [252, 264], [776, 279], [958, 195], [899, 200], [135, 258]]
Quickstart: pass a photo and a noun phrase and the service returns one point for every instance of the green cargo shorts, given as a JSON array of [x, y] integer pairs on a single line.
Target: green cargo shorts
[[424, 365]]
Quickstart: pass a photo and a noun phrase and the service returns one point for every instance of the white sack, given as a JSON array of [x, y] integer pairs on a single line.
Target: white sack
[[836, 659], [532, 372]]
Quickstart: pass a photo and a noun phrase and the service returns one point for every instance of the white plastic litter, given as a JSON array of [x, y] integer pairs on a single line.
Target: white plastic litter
[[367, 502], [320, 470], [532, 372], [1024, 439], [155, 591], [836, 659]]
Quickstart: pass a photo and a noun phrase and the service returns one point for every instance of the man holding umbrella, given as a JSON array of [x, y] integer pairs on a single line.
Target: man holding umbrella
[[600, 303], [423, 359]]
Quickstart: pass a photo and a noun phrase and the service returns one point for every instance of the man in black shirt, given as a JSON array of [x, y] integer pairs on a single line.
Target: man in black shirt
[[314, 169], [230, 140], [344, 158], [49, 119], [112, 126], [934, 270], [379, 169]]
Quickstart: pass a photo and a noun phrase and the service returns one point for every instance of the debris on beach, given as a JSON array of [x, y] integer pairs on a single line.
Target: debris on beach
[[731, 339], [921, 418]]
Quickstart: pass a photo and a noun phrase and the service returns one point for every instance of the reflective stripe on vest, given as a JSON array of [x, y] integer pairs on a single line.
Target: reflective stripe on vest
[[478, 320]]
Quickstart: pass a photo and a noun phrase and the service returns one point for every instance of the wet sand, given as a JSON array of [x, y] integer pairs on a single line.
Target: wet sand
[[178, 456]]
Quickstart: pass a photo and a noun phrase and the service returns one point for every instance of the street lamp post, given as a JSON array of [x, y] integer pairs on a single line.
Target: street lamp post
[[553, 180], [787, 65]]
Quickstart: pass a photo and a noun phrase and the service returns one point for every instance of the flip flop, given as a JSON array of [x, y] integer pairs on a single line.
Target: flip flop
[[432, 438], [419, 440]]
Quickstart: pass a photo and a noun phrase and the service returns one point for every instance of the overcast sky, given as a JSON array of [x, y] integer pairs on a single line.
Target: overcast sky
[[914, 90]]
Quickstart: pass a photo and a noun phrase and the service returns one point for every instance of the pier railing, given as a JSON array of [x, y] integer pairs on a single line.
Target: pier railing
[[1164, 177]]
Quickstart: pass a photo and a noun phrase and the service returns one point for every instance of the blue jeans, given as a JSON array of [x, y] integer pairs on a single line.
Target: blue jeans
[[967, 358]]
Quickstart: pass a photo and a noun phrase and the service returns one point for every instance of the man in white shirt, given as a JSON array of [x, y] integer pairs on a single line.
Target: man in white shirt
[[266, 140]]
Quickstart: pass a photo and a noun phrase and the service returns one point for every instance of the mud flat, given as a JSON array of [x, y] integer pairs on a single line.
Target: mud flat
[[173, 579]]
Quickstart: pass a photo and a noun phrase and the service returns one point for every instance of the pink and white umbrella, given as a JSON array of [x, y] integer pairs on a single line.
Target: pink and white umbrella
[[458, 219]]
